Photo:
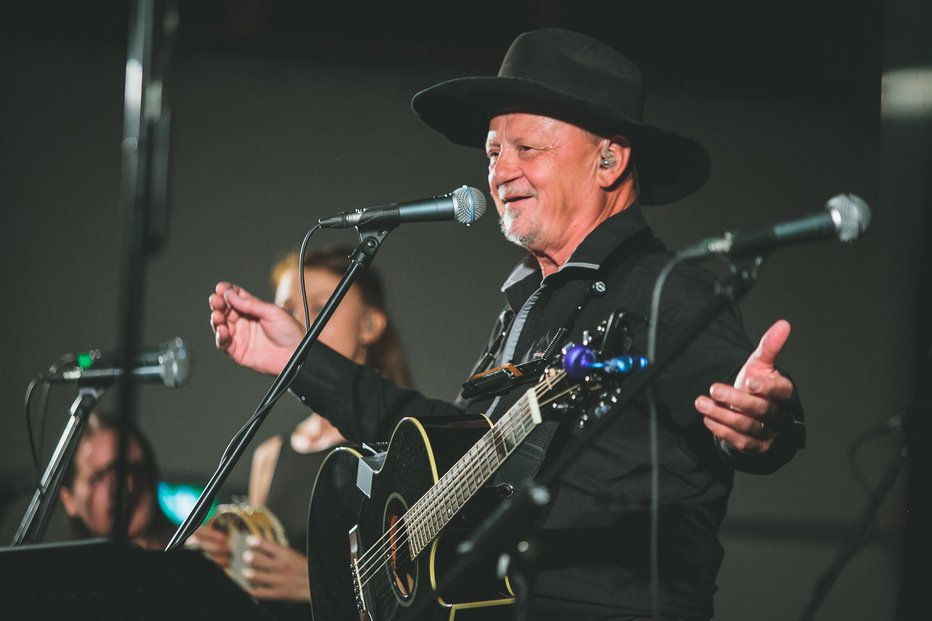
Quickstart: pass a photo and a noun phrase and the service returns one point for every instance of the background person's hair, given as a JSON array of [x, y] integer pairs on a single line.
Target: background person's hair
[[386, 355]]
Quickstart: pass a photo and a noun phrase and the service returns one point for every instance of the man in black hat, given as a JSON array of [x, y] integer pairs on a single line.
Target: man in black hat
[[570, 163]]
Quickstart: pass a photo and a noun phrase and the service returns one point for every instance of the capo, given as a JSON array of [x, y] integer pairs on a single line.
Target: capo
[[509, 369], [499, 378]]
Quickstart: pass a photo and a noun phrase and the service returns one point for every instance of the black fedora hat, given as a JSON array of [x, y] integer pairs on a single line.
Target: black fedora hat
[[575, 78]]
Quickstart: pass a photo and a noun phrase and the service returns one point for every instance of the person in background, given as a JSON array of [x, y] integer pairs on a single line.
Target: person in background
[[284, 467], [88, 488]]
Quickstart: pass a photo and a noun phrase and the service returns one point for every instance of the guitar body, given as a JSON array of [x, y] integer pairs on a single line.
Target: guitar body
[[355, 510]]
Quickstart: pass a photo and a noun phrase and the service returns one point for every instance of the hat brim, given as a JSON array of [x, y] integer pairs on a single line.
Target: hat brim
[[669, 166]]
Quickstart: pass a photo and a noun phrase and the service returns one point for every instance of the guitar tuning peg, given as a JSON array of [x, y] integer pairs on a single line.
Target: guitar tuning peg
[[577, 360]]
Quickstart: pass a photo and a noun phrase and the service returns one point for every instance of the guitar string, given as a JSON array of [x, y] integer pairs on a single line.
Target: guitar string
[[489, 448], [399, 548], [381, 552], [483, 449]]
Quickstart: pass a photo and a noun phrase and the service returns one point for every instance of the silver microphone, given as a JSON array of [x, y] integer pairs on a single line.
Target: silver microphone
[[169, 363], [464, 204], [844, 217]]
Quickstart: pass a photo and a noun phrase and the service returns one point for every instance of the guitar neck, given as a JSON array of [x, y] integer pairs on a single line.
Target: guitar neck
[[428, 516]]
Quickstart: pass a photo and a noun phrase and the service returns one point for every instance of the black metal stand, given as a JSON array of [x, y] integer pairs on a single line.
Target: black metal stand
[[143, 195], [370, 242], [34, 522], [505, 531], [859, 536]]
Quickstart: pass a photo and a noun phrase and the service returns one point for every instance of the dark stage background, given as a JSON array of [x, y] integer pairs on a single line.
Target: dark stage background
[[284, 112]]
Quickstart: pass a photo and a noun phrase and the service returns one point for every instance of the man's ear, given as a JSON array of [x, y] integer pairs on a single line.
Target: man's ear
[[373, 326], [614, 160], [67, 501]]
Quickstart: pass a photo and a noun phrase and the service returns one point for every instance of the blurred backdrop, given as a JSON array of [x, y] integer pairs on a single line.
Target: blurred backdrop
[[285, 112]]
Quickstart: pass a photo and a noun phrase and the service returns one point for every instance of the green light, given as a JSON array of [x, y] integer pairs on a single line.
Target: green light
[[178, 499], [85, 360]]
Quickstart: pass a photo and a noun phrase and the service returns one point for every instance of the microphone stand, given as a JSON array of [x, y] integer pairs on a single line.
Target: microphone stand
[[35, 521], [143, 199], [370, 242], [503, 528]]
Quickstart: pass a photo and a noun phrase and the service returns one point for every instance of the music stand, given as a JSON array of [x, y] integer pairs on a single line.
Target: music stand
[[109, 580]]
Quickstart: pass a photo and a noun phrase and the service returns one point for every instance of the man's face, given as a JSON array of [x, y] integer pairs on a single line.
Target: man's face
[[542, 179], [92, 493]]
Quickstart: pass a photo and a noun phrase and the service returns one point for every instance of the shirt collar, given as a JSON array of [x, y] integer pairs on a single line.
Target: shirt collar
[[587, 257]]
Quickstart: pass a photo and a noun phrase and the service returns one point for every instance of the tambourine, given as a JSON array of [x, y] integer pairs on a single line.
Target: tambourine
[[240, 520]]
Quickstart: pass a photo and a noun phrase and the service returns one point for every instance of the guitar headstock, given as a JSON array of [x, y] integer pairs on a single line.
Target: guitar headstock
[[598, 365]]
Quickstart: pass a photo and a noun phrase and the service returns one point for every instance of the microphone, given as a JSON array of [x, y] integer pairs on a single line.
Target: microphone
[[845, 217], [464, 204], [169, 363]]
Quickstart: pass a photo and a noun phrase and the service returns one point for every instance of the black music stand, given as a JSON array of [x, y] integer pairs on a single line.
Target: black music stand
[[107, 580]]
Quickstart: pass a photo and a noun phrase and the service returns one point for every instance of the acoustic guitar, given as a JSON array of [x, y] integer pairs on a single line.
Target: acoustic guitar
[[383, 526]]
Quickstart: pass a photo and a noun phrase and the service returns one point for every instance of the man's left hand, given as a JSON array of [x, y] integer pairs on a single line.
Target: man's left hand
[[748, 416]]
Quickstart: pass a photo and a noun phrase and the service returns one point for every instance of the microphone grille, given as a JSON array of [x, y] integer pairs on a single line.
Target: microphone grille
[[469, 204], [851, 215], [175, 362]]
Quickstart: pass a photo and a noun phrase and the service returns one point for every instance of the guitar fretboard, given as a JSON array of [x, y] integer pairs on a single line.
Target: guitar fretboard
[[427, 517]]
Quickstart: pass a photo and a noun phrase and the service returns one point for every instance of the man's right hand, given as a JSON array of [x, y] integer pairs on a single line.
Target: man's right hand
[[254, 333]]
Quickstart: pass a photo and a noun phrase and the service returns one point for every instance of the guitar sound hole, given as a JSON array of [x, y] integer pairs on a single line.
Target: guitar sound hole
[[401, 567]]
